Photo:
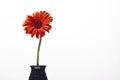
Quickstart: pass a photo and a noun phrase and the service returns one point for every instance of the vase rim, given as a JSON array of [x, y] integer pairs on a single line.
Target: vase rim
[[38, 65]]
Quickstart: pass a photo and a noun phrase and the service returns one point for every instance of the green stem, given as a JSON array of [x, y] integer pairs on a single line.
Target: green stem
[[38, 51]]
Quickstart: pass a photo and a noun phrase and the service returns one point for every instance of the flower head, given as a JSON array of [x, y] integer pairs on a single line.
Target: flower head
[[37, 23]]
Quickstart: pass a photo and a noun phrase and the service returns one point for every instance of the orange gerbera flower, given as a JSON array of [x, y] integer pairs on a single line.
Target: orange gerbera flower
[[37, 23]]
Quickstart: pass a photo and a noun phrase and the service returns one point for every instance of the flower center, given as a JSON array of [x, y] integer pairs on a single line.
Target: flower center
[[38, 24]]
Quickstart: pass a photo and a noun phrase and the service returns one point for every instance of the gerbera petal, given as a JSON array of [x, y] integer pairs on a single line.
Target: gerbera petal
[[45, 16], [42, 32], [47, 27], [36, 15], [37, 34], [41, 16], [31, 18], [33, 33], [48, 20], [27, 22], [26, 28], [30, 30]]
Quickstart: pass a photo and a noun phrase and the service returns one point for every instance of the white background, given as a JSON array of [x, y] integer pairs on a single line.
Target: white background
[[84, 43]]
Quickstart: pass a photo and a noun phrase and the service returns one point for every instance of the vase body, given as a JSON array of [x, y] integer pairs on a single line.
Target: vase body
[[38, 73]]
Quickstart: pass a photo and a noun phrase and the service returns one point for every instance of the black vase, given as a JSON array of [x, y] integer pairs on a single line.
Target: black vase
[[38, 73]]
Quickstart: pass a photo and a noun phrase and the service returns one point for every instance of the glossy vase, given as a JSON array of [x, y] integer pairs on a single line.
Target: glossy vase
[[38, 73]]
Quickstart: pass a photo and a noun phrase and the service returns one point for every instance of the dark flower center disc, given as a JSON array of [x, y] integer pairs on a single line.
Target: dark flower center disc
[[38, 24]]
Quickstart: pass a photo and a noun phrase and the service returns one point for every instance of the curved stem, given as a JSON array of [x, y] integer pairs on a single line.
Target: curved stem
[[38, 51]]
